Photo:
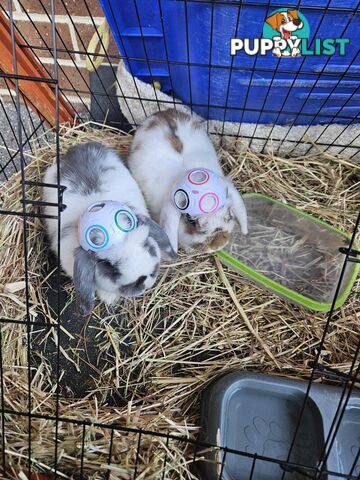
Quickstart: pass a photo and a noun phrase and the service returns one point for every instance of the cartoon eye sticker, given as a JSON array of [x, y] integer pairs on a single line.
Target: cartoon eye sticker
[[198, 177], [181, 199], [209, 202], [97, 237], [125, 221]]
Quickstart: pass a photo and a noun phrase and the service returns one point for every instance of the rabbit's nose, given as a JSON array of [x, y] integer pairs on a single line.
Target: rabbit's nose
[[141, 280], [219, 240]]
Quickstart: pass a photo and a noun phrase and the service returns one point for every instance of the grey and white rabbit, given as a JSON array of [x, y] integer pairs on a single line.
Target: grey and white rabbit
[[165, 147], [92, 172]]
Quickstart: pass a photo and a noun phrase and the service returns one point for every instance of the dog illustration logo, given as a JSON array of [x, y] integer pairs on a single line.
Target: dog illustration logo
[[286, 33], [288, 26]]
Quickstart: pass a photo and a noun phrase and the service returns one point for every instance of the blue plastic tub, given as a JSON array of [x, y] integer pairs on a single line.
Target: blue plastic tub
[[260, 89]]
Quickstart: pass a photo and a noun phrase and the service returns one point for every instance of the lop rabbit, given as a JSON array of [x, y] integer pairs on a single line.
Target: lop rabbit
[[165, 148], [92, 174]]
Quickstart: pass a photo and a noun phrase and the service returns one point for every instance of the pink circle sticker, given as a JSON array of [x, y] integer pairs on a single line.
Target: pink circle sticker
[[198, 177], [209, 202]]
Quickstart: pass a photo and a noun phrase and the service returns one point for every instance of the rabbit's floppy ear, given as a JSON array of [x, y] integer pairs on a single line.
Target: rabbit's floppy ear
[[159, 235], [238, 206], [170, 220], [84, 279]]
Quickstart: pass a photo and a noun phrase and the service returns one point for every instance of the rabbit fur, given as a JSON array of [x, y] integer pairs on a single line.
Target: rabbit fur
[[92, 172], [167, 145]]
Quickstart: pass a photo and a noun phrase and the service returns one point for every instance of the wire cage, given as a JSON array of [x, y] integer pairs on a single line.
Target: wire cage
[[48, 96]]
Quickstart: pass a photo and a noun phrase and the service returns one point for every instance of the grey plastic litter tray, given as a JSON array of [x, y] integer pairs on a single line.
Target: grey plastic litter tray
[[257, 413], [291, 254]]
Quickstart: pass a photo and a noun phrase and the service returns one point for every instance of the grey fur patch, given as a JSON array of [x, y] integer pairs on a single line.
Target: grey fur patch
[[81, 166], [159, 235], [65, 231], [84, 280], [150, 248], [155, 272], [109, 270], [135, 288]]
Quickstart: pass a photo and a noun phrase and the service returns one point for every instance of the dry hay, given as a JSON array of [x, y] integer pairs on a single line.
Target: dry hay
[[201, 320]]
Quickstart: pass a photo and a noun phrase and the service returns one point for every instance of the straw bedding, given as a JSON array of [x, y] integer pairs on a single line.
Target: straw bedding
[[201, 320]]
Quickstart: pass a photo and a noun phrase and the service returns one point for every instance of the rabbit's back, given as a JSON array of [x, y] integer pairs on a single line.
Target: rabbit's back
[[167, 145], [89, 173]]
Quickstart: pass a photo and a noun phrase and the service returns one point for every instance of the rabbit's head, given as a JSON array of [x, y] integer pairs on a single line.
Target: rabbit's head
[[207, 233], [124, 270]]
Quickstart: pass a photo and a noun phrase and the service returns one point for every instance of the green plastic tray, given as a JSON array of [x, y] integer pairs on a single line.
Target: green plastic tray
[[288, 241]]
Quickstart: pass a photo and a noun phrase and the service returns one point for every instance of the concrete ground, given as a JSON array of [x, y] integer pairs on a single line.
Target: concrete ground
[[31, 131]]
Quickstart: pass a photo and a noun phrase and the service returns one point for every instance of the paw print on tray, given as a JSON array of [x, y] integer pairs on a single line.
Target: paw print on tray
[[265, 438], [271, 438], [354, 452]]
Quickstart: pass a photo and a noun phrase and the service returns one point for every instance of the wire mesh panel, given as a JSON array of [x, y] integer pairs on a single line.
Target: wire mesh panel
[[291, 102], [117, 395]]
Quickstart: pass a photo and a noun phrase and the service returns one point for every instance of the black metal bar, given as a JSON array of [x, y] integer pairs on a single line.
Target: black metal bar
[[21, 120], [332, 373], [47, 49], [110, 452], [74, 63], [166, 457], [250, 84], [354, 465], [261, 4], [24, 224], [126, 56], [292, 84], [11, 76], [340, 411], [301, 470], [23, 98], [33, 183], [247, 109], [185, 440], [353, 255], [322, 340], [230, 75], [82, 455], [2, 395], [51, 50], [188, 51], [41, 203], [35, 130], [253, 467], [316, 82], [10, 161], [354, 120], [60, 193], [225, 451], [89, 56], [145, 51], [7, 116], [140, 432], [192, 64], [209, 66], [166, 50], [25, 322], [27, 214], [349, 145]]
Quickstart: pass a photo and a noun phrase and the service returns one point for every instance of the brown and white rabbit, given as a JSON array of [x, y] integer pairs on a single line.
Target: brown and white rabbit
[[92, 173], [165, 147]]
